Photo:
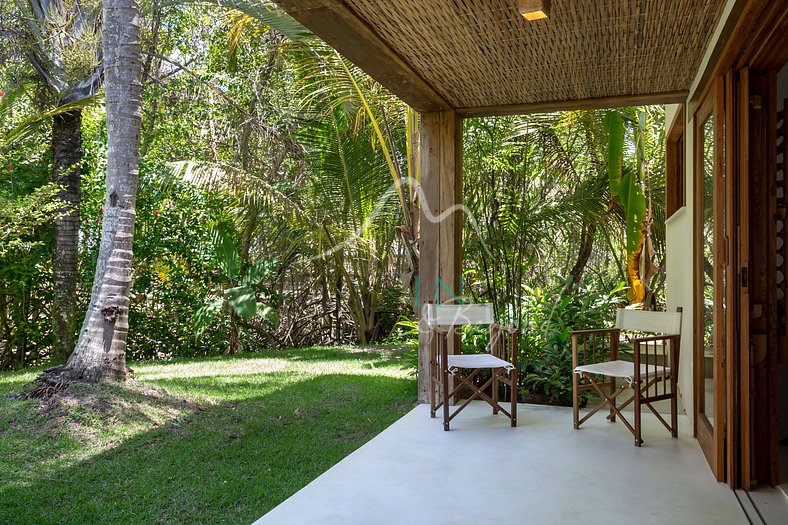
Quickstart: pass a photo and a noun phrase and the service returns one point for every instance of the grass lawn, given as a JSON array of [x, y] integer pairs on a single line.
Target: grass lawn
[[218, 440]]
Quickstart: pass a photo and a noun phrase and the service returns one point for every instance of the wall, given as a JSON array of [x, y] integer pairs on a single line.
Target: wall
[[679, 286]]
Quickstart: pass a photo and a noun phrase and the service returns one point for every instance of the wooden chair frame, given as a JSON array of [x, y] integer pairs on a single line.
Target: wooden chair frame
[[503, 345], [648, 353]]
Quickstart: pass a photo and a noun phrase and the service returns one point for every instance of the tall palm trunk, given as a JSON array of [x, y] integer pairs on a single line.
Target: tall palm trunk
[[61, 35], [67, 150], [100, 353]]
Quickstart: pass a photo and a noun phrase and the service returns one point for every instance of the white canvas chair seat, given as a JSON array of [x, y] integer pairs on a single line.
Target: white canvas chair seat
[[624, 370], [596, 367], [454, 374], [455, 362]]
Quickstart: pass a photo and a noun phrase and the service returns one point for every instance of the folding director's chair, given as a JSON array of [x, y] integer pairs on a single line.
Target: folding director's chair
[[652, 373], [444, 323]]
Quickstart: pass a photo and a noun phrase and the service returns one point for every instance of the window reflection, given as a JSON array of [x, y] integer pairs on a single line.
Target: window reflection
[[708, 267]]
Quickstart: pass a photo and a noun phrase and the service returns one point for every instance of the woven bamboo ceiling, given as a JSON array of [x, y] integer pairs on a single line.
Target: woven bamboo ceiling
[[482, 57]]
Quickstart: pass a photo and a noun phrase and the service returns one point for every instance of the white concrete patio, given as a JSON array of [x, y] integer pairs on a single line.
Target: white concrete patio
[[542, 472]]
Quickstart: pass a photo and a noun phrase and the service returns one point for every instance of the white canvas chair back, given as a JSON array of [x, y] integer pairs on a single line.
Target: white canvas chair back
[[459, 314], [643, 321]]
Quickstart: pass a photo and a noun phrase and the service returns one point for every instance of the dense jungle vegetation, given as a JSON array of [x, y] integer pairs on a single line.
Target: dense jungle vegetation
[[277, 204]]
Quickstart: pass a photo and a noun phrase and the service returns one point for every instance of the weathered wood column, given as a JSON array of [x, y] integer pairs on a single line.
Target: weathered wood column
[[440, 236]]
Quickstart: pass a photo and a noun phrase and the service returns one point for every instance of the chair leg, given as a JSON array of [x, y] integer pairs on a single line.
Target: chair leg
[[445, 385], [612, 416], [513, 375], [674, 415], [495, 385], [575, 400], [636, 393], [433, 386]]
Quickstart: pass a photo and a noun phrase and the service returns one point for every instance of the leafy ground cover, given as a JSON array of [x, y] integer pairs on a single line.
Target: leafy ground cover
[[214, 440]]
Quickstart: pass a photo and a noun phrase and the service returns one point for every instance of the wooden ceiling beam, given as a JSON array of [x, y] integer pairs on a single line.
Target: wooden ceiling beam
[[673, 97], [335, 23]]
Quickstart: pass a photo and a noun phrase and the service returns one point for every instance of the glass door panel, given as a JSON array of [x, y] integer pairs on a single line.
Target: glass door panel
[[706, 140], [710, 277]]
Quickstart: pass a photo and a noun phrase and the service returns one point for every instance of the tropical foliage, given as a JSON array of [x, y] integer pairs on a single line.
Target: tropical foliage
[[278, 204]]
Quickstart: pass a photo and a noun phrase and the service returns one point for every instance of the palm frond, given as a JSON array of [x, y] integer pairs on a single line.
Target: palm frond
[[64, 46], [29, 124], [265, 12], [246, 188]]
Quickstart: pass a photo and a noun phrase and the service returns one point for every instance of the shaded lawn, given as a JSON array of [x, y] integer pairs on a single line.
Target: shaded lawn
[[220, 440]]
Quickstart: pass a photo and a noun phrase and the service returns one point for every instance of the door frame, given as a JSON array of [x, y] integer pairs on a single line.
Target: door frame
[[710, 436]]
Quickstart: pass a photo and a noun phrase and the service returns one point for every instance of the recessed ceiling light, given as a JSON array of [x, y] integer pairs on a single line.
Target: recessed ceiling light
[[534, 9]]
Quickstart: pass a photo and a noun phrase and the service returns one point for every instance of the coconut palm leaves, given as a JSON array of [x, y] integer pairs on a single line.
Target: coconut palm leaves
[[257, 15], [533, 189], [65, 46], [30, 123], [354, 201]]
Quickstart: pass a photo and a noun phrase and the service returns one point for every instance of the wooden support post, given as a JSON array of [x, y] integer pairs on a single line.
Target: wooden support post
[[440, 235]]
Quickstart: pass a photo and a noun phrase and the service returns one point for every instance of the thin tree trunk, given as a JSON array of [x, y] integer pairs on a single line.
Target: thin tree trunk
[[235, 345], [584, 253], [67, 171], [338, 309], [100, 353]]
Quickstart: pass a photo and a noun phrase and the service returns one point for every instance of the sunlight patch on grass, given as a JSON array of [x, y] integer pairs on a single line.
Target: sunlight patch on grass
[[211, 368], [216, 440], [11, 382]]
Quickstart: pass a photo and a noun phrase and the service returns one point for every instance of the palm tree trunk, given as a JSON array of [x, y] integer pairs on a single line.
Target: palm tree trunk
[[100, 353], [67, 151]]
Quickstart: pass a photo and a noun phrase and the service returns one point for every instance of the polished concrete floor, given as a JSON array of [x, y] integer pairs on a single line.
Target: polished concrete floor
[[542, 472]]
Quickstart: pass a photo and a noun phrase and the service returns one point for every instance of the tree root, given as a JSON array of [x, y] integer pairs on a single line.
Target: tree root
[[57, 379], [45, 386]]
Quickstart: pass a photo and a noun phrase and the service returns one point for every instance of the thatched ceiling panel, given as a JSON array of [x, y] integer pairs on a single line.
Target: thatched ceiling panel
[[476, 53]]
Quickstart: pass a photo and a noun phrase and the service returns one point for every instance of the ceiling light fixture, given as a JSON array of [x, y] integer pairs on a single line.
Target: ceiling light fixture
[[534, 9]]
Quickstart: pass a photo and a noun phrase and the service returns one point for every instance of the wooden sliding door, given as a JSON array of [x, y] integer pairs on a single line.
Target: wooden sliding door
[[711, 258]]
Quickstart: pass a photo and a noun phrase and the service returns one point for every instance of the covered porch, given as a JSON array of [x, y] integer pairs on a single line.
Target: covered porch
[[543, 471], [460, 59]]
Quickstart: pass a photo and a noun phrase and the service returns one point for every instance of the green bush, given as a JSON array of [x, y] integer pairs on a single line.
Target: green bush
[[25, 285], [545, 357]]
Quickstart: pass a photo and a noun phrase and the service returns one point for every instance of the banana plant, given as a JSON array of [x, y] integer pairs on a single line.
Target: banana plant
[[237, 297], [626, 185]]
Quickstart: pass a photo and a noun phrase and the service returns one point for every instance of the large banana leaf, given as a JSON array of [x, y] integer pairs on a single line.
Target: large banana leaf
[[242, 299], [626, 185], [227, 255]]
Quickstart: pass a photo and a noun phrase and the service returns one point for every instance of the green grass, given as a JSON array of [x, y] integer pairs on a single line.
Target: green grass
[[219, 440]]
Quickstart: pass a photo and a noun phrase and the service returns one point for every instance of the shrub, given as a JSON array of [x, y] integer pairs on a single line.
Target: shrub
[[545, 357]]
